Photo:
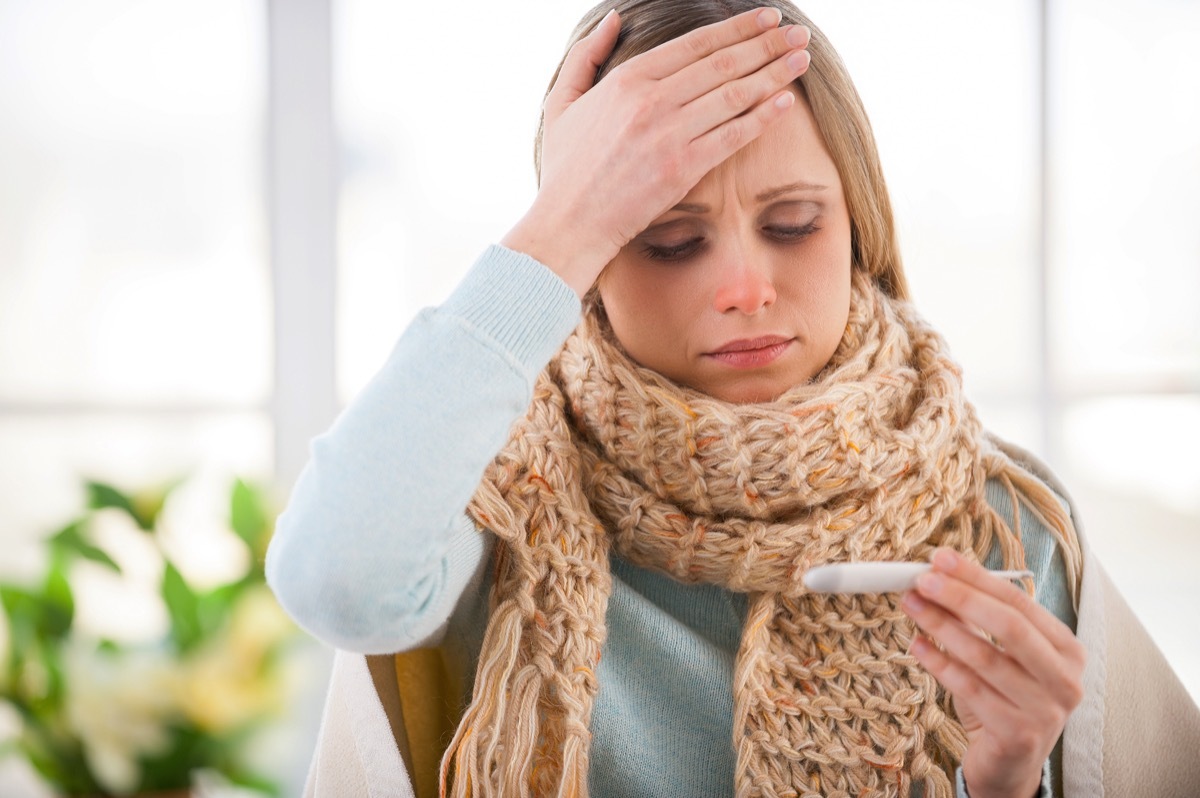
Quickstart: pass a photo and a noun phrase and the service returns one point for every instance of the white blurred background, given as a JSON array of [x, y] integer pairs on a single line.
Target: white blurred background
[[216, 216]]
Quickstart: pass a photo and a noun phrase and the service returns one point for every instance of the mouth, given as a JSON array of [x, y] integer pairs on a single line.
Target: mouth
[[751, 352]]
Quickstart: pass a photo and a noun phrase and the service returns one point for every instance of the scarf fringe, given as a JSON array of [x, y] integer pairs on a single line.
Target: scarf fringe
[[486, 732], [1051, 513]]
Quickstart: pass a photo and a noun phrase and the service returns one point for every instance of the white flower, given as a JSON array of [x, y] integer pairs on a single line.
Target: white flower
[[119, 703], [258, 622], [224, 682]]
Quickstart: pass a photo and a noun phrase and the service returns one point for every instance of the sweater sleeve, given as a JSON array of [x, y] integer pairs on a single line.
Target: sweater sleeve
[[374, 548], [1044, 789]]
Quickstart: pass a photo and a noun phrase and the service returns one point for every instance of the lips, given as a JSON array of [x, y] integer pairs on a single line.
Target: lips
[[748, 353], [751, 344]]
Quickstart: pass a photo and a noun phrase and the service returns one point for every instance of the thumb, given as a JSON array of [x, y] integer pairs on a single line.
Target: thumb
[[578, 73]]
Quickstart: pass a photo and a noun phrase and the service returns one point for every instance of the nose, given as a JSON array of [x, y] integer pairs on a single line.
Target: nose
[[744, 283]]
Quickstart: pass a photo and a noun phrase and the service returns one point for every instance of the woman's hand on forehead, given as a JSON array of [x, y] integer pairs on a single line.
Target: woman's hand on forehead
[[617, 154]]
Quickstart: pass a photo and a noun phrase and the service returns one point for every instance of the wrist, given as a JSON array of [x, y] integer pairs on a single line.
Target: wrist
[[548, 237]]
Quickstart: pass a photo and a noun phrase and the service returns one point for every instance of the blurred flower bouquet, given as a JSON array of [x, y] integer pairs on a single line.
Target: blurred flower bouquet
[[100, 717]]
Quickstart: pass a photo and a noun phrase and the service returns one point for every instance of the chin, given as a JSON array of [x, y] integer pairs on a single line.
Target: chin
[[745, 392]]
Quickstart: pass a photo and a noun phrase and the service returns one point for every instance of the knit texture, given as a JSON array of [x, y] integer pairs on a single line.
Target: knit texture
[[879, 458]]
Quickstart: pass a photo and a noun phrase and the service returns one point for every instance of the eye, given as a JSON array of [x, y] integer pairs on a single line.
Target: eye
[[789, 233], [680, 251]]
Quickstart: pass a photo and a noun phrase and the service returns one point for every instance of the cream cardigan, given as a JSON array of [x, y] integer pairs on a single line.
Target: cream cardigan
[[1137, 732]]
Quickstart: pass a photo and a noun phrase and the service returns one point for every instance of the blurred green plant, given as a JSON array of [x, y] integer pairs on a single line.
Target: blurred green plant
[[99, 717]]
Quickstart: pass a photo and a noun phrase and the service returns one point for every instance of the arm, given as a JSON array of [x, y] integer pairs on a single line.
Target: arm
[[374, 549]]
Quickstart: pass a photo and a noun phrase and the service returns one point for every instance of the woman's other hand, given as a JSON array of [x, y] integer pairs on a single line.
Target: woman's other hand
[[1013, 695], [617, 154]]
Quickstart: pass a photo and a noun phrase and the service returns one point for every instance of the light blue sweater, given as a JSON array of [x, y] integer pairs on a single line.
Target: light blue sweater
[[375, 553]]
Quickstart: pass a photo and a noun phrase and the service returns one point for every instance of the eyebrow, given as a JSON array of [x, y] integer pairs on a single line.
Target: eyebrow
[[798, 186], [769, 194]]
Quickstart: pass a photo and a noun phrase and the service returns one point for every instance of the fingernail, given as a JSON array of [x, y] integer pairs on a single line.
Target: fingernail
[[785, 100], [912, 602], [917, 646], [796, 35], [930, 584], [798, 60], [607, 17], [769, 17], [945, 558]]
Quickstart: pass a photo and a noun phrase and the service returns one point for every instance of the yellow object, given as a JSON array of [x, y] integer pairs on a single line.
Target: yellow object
[[419, 682]]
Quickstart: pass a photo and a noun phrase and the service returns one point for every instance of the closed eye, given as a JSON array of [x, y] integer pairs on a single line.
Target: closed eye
[[788, 234], [678, 251]]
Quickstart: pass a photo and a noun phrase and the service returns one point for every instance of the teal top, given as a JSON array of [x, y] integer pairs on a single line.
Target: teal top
[[375, 553]]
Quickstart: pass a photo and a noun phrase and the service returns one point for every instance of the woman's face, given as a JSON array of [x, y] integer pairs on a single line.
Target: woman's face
[[743, 289]]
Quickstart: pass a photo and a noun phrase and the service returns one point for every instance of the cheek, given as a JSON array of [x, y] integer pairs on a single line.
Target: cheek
[[630, 295], [628, 302], [831, 280], [647, 308], [621, 291], [836, 256], [822, 292]]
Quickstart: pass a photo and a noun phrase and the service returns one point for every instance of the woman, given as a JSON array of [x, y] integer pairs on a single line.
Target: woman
[[607, 538]]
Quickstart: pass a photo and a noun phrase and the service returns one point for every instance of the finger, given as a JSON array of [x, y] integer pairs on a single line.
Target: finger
[[1008, 679], [951, 562], [736, 61], [733, 98], [1021, 639], [670, 57], [578, 73], [966, 687], [724, 140]]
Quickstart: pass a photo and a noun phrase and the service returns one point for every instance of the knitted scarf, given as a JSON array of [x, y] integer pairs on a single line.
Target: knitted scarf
[[880, 457]]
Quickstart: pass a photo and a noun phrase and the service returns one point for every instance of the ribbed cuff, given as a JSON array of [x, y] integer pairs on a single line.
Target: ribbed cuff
[[1044, 789], [517, 302]]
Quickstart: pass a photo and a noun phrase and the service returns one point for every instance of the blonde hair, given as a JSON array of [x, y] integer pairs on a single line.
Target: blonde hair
[[827, 88]]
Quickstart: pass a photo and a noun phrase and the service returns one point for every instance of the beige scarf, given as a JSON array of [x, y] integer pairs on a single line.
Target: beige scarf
[[879, 458]]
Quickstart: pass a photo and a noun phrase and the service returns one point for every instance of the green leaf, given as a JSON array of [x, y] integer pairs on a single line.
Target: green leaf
[[37, 616], [102, 496], [171, 769], [215, 606], [23, 609], [60, 761], [37, 694], [20, 631], [59, 600], [56, 681], [47, 766], [71, 539], [143, 507], [149, 503], [8, 595], [249, 517], [182, 607], [254, 781]]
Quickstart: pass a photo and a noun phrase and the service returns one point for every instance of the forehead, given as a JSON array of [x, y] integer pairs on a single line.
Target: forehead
[[790, 150]]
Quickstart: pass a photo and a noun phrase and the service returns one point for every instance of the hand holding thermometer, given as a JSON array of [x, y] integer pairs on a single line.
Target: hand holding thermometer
[[876, 577]]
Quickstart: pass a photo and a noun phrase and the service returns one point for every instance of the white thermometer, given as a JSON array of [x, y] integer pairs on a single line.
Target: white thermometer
[[876, 577]]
